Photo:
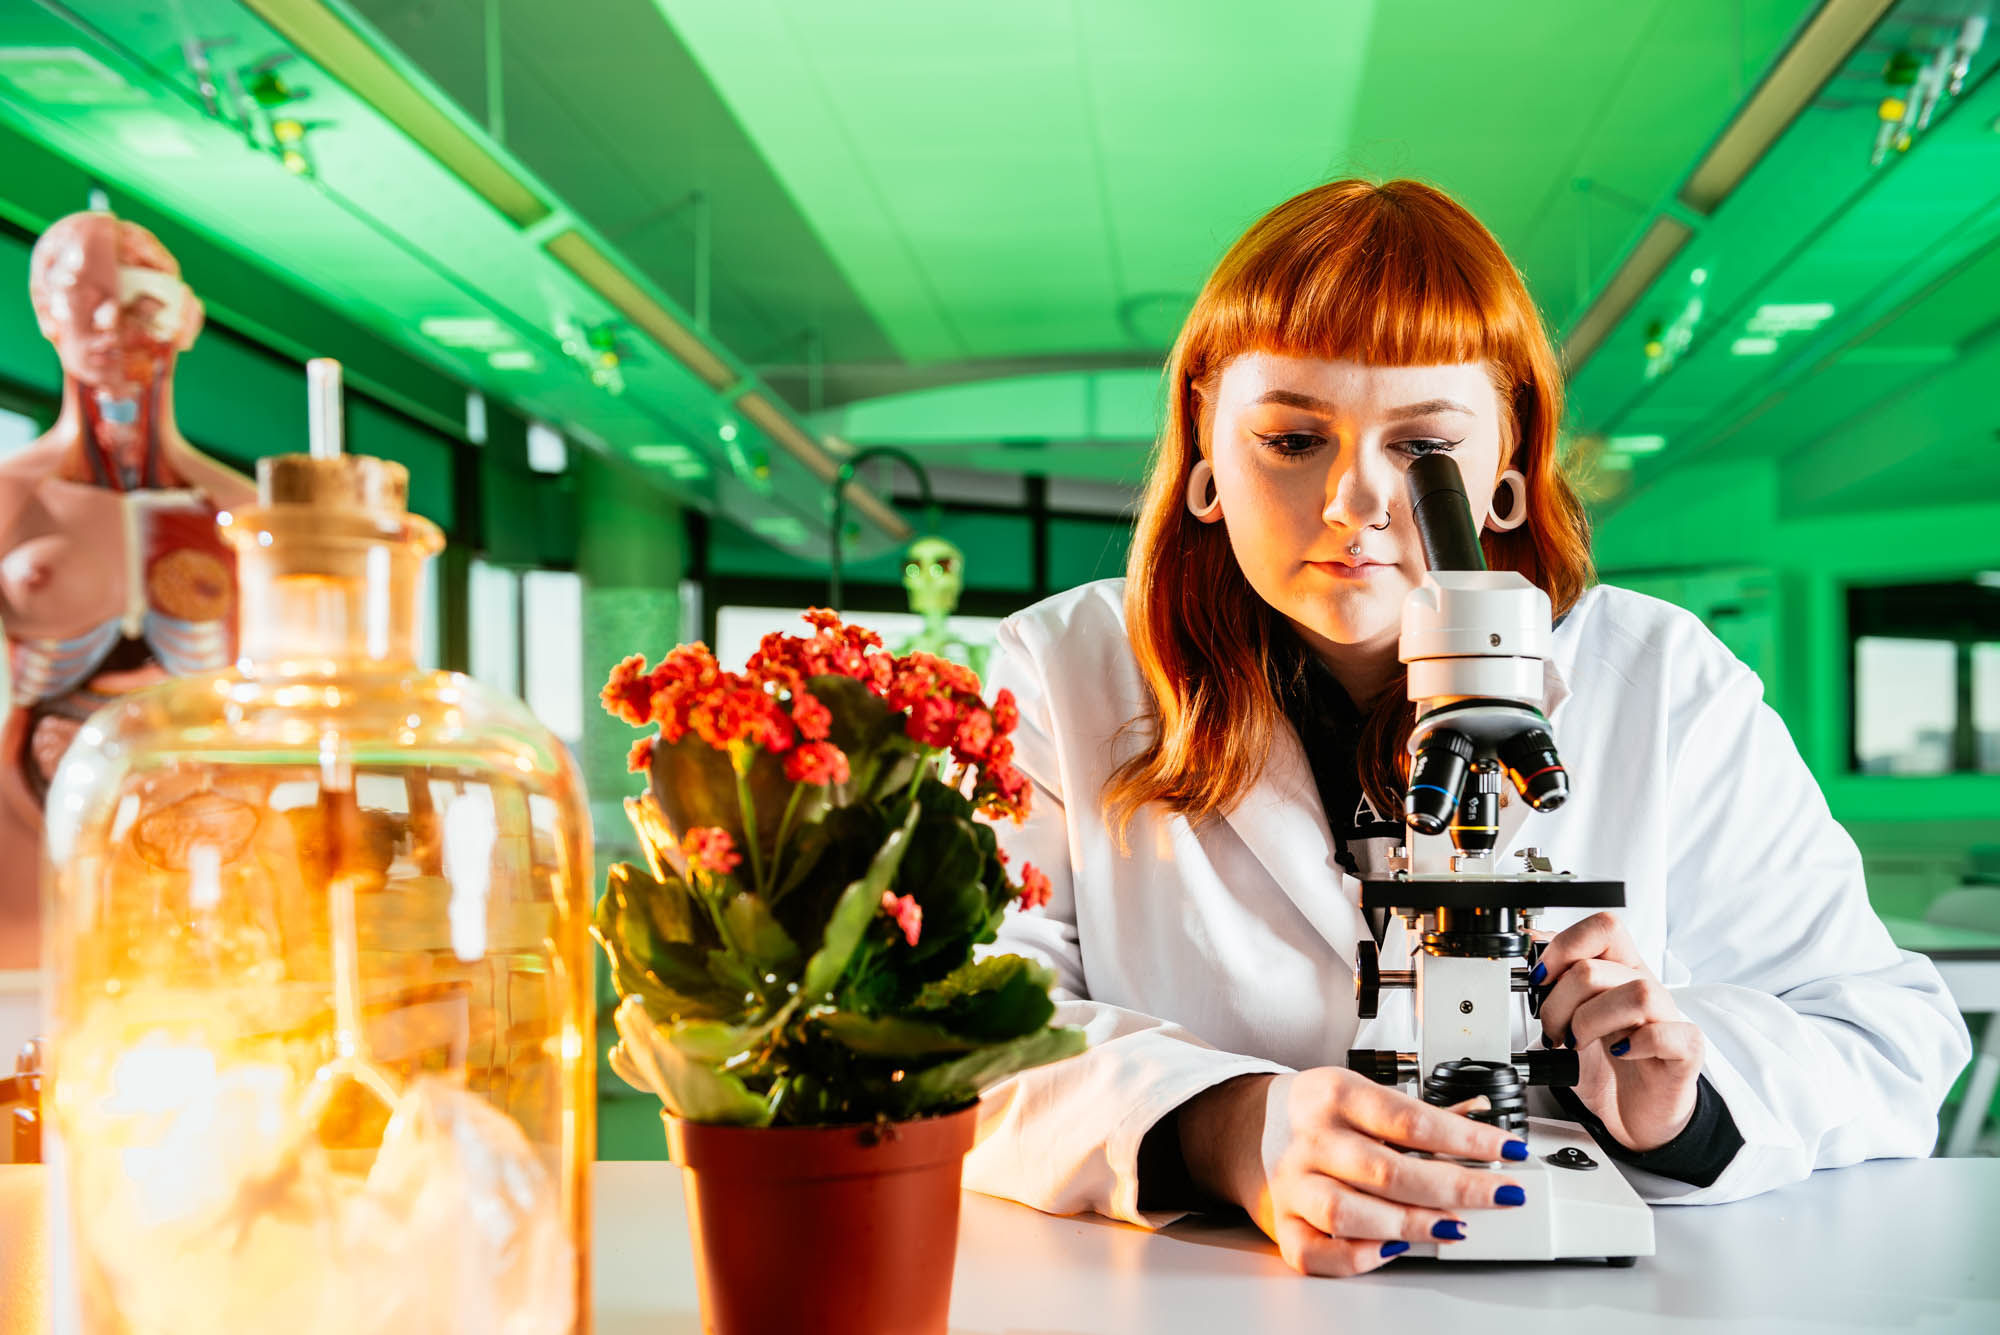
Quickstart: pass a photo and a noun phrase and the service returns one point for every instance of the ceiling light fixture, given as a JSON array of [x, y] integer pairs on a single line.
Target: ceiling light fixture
[[1637, 444], [1813, 58], [1762, 346], [1820, 49]]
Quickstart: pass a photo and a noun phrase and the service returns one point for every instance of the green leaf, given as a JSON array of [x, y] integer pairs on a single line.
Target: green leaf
[[757, 937], [670, 975], [857, 907], [733, 975], [959, 1082], [708, 1041], [893, 1036], [1000, 997], [689, 1088]]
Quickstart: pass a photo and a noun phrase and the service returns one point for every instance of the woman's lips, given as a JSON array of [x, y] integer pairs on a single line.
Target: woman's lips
[[1360, 570]]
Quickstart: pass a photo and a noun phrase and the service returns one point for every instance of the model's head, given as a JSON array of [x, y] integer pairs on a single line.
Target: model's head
[[1352, 329], [110, 298]]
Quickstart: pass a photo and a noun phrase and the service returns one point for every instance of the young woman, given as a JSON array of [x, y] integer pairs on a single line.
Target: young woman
[[1215, 745]]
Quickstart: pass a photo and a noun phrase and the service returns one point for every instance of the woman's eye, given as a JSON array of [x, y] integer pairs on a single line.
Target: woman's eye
[[1417, 449], [1290, 443]]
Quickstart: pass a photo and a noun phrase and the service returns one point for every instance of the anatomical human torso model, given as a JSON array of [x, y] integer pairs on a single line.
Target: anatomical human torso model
[[112, 573]]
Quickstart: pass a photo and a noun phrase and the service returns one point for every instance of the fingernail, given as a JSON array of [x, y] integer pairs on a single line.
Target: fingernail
[[1517, 1150], [1394, 1248], [1621, 1047], [1451, 1230], [1510, 1195], [1540, 975]]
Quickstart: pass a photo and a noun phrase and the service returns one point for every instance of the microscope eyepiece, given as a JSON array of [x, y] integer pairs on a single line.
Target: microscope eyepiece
[[1436, 773], [1535, 769]]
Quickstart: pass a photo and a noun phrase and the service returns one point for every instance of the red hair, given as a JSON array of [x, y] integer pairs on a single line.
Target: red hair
[[1397, 274]]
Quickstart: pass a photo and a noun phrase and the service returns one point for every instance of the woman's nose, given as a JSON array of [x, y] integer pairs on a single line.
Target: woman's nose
[[1358, 493]]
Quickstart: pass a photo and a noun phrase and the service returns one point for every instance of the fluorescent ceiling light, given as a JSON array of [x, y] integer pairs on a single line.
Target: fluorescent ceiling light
[[603, 273], [465, 331], [65, 76], [662, 454], [795, 442], [390, 85], [1790, 317], [1987, 579], [1637, 444], [513, 359], [1754, 347], [1655, 251], [1813, 58], [1835, 30]]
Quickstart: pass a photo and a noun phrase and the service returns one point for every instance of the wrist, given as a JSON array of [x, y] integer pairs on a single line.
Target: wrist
[[1221, 1138]]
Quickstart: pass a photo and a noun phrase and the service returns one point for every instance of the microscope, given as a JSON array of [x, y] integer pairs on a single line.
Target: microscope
[[1474, 640]]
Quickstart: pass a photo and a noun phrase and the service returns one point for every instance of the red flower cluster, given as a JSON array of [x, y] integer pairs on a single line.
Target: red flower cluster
[[709, 848], [1034, 886], [767, 705], [817, 762], [909, 915]]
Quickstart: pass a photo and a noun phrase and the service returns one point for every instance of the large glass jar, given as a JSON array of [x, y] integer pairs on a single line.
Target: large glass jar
[[319, 975]]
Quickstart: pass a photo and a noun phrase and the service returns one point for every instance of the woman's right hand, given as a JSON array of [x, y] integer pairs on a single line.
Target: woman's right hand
[[1316, 1157]]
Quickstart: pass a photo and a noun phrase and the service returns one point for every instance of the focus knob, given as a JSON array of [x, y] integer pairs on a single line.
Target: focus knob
[[1556, 1067], [1378, 1064], [1367, 979]]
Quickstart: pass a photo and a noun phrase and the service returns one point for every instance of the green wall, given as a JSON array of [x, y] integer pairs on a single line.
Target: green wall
[[1913, 830]]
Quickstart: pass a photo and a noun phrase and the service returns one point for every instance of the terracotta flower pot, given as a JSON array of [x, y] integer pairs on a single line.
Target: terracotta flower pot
[[845, 1230]]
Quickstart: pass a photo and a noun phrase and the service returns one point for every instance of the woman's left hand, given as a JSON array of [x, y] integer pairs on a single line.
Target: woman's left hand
[[1640, 1060]]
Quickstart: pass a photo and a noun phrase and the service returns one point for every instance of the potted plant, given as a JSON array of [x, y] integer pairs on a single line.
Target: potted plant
[[796, 968]]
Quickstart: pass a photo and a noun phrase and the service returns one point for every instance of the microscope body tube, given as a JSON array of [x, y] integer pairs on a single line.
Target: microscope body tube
[[1443, 515]]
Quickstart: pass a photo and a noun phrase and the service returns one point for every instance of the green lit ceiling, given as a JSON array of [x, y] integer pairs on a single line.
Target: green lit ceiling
[[1057, 176], [973, 229]]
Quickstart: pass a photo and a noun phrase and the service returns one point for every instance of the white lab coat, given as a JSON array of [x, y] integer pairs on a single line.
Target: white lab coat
[[1225, 948]]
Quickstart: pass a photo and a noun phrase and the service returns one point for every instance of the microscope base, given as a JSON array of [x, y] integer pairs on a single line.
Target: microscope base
[[1570, 1213]]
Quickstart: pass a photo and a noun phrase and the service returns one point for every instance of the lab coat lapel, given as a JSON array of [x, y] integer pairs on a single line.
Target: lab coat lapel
[[1281, 822]]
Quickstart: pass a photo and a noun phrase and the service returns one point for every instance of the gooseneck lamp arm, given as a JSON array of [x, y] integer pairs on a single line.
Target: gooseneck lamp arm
[[841, 480]]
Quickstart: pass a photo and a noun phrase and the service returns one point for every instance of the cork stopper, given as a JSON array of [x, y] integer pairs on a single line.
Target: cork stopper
[[328, 478], [330, 559]]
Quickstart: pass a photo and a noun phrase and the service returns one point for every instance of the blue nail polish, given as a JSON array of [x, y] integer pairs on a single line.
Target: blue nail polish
[[1510, 1195], [1540, 975], [1517, 1150], [1394, 1248], [1621, 1047], [1451, 1230]]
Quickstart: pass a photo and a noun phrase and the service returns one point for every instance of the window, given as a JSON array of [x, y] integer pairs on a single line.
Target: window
[[1926, 661], [1904, 693], [430, 618], [552, 617], [494, 594]]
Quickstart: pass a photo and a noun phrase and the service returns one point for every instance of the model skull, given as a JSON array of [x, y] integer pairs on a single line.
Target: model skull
[[934, 573]]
